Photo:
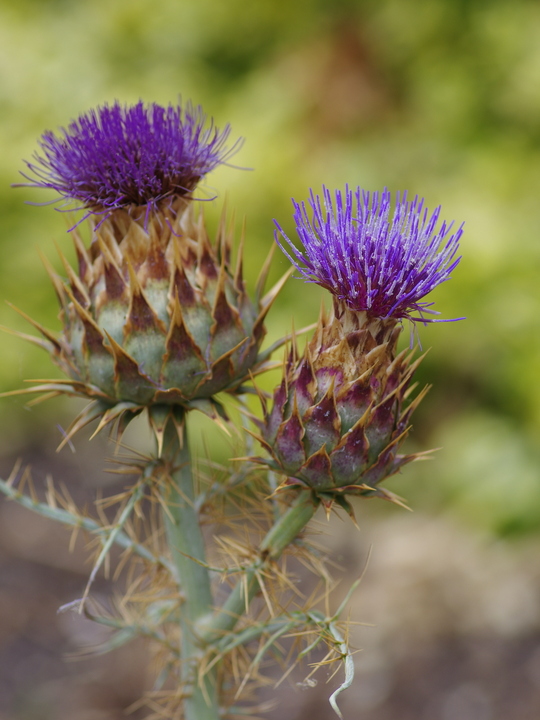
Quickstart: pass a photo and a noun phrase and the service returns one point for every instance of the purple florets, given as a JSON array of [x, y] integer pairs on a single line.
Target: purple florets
[[372, 261], [122, 156]]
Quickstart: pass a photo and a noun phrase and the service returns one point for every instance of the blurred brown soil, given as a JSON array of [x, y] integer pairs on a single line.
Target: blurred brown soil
[[452, 621]]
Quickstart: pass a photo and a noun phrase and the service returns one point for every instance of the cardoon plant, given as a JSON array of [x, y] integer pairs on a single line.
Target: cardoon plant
[[156, 318]]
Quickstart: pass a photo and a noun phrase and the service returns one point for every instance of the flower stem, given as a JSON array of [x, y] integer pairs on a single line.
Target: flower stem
[[280, 535], [185, 539]]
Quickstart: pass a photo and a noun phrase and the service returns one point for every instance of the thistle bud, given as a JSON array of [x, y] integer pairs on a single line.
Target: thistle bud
[[158, 315], [155, 313], [342, 409]]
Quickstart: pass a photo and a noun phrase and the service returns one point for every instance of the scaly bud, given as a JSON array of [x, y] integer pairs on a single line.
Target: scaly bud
[[156, 314], [343, 409]]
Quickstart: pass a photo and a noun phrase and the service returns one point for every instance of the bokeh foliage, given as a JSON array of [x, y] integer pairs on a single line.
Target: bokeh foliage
[[440, 97]]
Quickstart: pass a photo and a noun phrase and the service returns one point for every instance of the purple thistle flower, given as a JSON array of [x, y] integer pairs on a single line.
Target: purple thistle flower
[[374, 262], [121, 156]]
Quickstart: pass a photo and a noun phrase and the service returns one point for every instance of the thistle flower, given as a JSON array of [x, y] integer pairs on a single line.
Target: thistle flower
[[156, 314], [130, 156], [343, 409], [373, 263]]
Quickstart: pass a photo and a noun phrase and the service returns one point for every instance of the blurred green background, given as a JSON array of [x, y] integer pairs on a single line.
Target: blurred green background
[[439, 97]]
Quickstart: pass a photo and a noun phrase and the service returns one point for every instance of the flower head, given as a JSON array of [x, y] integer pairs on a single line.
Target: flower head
[[122, 156], [380, 263]]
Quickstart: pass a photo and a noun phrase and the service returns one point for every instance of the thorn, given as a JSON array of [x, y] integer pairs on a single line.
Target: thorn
[[46, 333], [274, 291], [263, 275], [239, 270], [159, 416], [55, 279], [77, 286]]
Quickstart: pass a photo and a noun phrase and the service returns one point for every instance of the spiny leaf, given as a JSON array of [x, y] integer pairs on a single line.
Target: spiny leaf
[[74, 520]]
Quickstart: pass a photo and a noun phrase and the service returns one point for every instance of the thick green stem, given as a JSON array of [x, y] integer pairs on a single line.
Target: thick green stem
[[282, 533], [185, 539], [289, 525]]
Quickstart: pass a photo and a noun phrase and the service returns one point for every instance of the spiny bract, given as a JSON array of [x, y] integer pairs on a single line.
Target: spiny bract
[[342, 409], [155, 316]]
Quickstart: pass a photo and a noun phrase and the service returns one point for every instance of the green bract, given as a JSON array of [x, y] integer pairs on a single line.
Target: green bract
[[155, 315]]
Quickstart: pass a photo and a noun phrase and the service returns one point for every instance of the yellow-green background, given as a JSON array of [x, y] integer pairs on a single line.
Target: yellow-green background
[[439, 97]]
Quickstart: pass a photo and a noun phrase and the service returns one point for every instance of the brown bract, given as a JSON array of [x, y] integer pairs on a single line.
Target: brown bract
[[342, 409], [155, 315]]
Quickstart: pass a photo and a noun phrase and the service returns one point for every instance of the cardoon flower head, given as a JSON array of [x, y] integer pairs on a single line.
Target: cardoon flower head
[[343, 409], [122, 156], [155, 313], [372, 261]]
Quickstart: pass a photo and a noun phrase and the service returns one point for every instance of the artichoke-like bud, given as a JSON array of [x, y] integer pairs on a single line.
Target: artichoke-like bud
[[155, 314], [158, 315], [343, 408]]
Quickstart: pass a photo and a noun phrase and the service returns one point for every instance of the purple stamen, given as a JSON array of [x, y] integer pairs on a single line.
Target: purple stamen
[[122, 156], [374, 262]]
